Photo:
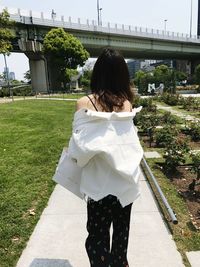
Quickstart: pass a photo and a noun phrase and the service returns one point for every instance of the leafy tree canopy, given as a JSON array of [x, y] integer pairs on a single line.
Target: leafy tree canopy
[[65, 49], [85, 79], [70, 73], [197, 74], [180, 76], [142, 79], [27, 76], [6, 34], [162, 73]]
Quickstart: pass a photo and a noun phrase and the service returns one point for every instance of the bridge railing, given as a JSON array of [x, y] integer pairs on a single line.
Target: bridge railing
[[30, 17]]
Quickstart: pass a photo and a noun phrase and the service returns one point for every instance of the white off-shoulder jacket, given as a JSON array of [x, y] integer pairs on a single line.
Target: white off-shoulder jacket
[[107, 148]]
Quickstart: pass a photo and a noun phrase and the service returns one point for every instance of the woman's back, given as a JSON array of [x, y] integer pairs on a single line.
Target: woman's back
[[91, 102], [106, 145]]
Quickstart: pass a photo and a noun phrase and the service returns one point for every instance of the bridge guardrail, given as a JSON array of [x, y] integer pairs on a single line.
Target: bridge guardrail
[[112, 28]]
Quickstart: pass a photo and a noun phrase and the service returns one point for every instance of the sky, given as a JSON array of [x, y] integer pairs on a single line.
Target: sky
[[144, 13]]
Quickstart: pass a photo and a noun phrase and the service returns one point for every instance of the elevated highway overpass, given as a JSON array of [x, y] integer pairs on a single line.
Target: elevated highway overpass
[[133, 42]]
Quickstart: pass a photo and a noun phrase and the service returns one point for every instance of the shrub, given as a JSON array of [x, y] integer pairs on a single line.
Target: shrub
[[24, 91], [136, 101], [189, 103], [196, 164], [194, 131], [175, 153], [4, 92], [146, 121], [165, 136], [168, 118], [170, 99]]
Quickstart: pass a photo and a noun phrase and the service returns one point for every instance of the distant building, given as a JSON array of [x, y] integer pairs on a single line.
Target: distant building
[[167, 62], [183, 65], [146, 66], [133, 67], [12, 76]]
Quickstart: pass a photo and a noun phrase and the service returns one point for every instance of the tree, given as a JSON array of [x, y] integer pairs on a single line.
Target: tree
[[6, 34], [162, 74], [85, 79], [197, 75], [63, 50], [196, 164], [175, 153], [27, 76], [69, 73], [142, 79], [181, 76]]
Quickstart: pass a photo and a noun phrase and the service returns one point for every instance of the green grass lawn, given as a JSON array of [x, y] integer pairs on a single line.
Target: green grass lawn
[[66, 95], [32, 135], [69, 96]]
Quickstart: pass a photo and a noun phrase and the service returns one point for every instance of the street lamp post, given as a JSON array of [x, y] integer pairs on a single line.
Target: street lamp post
[[100, 18], [6, 73], [198, 20], [99, 9], [53, 14], [165, 21], [191, 18]]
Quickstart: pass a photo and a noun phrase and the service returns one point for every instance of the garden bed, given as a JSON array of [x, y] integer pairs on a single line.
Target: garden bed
[[175, 140], [191, 197], [181, 179]]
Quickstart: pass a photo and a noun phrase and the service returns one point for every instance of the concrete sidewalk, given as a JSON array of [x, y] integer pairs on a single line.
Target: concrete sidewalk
[[59, 237]]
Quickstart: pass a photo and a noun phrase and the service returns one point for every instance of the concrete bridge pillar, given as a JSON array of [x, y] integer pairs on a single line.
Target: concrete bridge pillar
[[37, 63], [39, 75]]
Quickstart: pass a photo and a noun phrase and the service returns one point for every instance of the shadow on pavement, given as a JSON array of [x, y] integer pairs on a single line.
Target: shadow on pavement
[[50, 263]]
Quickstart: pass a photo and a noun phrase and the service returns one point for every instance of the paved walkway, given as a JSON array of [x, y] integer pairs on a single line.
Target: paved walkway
[[59, 237], [177, 113], [9, 100]]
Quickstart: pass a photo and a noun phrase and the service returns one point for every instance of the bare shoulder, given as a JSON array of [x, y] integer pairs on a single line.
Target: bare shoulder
[[82, 103], [127, 105]]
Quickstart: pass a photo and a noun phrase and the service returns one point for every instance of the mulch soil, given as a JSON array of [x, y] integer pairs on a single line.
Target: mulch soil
[[181, 179]]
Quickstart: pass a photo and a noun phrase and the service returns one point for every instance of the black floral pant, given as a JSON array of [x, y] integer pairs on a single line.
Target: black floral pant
[[100, 216]]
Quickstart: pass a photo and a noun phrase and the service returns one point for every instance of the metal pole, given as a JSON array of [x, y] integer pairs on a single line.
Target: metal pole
[[198, 23], [191, 19], [100, 21], [7, 77], [165, 202], [165, 25], [98, 12]]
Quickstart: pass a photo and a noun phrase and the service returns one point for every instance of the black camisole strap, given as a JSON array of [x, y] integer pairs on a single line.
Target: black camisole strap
[[92, 103]]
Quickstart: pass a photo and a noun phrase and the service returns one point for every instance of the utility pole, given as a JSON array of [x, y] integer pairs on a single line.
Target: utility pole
[[198, 23], [100, 20], [99, 9], [6, 73], [165, 25], [191, 18]]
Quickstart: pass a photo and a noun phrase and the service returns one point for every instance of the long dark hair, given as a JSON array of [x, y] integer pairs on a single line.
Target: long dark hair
[[110, 80]]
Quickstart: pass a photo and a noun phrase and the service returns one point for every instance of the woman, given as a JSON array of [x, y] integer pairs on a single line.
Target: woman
[[105, 144]]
